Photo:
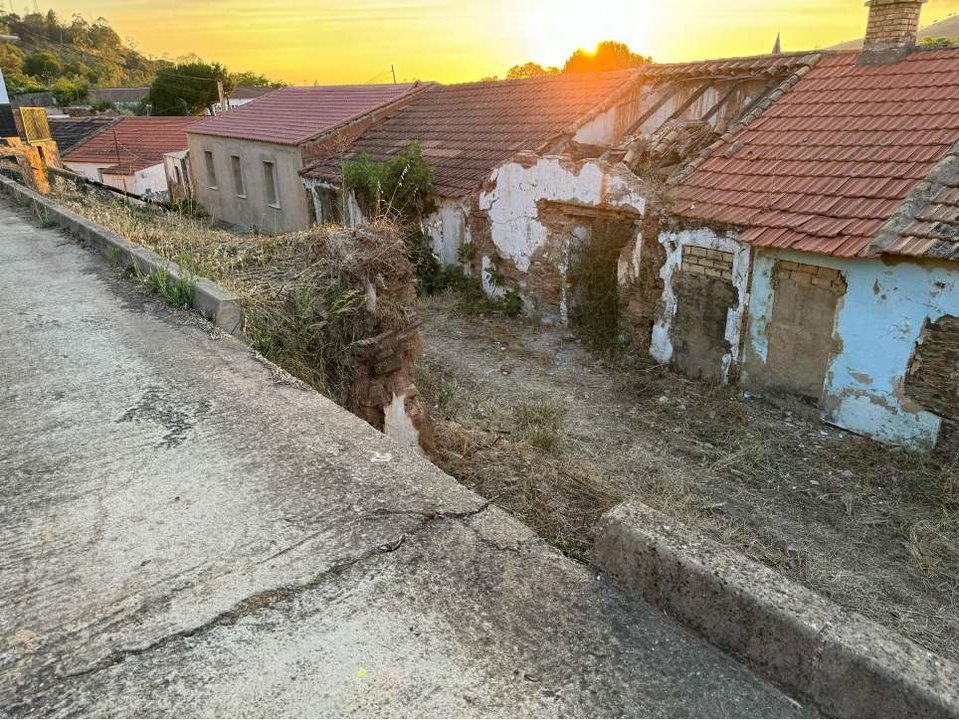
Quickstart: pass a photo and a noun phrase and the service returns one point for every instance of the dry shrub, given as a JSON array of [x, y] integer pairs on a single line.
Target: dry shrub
[[311, 299]]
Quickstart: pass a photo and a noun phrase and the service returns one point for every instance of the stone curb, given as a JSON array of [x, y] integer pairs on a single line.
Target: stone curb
[[843, 663], [212, 301]]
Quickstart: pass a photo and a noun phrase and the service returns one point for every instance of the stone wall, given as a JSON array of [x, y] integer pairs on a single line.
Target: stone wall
[[933, 377]]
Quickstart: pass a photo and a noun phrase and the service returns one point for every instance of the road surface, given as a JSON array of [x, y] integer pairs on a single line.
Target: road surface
[[186, 533]]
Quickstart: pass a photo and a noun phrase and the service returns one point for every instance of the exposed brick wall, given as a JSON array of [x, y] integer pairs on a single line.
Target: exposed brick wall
[[814, 275], [892, 24], [933, 377], [712, 263]]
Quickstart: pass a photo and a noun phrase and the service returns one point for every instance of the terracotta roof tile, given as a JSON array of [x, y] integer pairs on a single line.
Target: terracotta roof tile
[[468, 130], [135, 143], [293, 115], [853, 141]]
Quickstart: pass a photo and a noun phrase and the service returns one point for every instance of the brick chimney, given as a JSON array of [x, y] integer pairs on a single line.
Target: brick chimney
[[892, 30]]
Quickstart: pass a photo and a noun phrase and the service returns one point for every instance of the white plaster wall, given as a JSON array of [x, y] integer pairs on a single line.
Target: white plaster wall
[[661, 345], [512, 207], [601, 130], [448, 228], [91, 171]]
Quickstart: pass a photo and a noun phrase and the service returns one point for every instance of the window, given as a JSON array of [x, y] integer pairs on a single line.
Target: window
[[269, 182], [179, 177], [237, 176], [210, 169]]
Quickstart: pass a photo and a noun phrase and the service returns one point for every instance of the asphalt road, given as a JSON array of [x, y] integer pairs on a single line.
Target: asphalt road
[[185, 533]]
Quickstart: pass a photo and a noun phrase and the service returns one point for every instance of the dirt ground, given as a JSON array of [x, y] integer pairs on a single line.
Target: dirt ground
[[557, 435]]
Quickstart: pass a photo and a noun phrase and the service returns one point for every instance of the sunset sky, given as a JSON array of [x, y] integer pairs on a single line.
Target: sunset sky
[[302, 41]]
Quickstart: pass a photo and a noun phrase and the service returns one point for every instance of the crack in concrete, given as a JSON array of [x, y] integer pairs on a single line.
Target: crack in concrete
[[268, 598]]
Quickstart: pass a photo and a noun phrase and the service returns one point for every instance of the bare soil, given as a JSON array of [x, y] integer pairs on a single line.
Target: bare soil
[[557, 435]]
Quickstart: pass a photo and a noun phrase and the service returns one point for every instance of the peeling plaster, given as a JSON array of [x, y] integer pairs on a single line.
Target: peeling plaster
[[511, 203], [878, 334], [661, 345], [448, 228], [398, 425]]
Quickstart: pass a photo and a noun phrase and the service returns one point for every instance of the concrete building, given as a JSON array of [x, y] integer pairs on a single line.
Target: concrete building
[[129, 154], [246, 162], [815, 252]]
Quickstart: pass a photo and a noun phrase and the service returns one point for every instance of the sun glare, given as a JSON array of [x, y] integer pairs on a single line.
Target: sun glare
[[558, 27]]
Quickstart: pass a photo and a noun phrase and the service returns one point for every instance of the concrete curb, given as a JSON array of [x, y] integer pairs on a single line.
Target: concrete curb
[[212, 301], [845, 664]]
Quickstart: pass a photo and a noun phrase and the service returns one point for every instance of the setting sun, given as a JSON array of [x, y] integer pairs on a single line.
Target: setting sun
[[562, 27]]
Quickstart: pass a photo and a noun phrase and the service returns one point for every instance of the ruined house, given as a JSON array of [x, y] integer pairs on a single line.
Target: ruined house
[[244, 164], [813, 252], [529, 173]]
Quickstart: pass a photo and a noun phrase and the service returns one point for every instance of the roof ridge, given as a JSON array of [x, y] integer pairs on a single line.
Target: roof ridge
[[886, 240]]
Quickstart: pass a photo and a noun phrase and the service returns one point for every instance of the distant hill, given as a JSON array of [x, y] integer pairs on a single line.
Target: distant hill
[[69, 57], [947, 28]]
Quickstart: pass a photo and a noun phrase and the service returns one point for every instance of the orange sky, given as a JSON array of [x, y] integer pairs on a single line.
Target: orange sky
[[302, 41]]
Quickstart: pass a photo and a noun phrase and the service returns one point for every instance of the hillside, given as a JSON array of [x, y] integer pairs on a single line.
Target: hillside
[[947, 28], [69, 57]]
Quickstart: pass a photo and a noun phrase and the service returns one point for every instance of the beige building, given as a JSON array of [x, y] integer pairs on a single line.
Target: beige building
[[245, 163]]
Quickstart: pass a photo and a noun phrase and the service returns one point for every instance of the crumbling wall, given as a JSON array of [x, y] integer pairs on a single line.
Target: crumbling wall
[[528, 242], [933, 377], [448, 228], [878, 327], [707, 273]]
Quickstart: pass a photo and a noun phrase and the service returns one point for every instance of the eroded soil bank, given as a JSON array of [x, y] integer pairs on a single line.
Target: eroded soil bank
[[529, 418]]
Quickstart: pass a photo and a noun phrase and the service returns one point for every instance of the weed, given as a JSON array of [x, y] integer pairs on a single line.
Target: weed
[[177, 293], [466, 253], [442, 392], [45, 218], [512, 303]]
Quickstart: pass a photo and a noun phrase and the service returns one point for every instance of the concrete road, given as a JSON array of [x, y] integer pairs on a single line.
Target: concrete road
[[186, 533]]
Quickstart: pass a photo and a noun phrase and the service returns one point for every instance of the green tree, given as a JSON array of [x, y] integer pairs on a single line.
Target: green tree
[[608, 55], [187, 88], [529, 70], [11, 59], [43, 65], [253, 79], [68, 91]]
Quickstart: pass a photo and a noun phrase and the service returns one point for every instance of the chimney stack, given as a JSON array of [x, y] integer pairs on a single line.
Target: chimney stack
[[892, 30]]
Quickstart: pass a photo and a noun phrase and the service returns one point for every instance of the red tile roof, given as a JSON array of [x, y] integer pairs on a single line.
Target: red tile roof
[[135, 143], [293, 115], [467, 130], [829, 163]]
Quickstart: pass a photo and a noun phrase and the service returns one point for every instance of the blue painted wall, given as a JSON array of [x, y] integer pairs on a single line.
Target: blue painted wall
[[879, 322]]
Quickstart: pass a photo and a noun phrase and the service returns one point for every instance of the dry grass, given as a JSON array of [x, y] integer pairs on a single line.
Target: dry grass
[[508, 454], [310, 298], [874, 528]]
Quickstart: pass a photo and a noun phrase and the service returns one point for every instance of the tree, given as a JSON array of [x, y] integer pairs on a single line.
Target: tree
[[43, 65], [69, 92], [11, 59], [608, 55], [187, 88], [253, 79], [530, 70]]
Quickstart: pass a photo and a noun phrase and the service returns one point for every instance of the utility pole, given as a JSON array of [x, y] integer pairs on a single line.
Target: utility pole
[[222, 94], [393, 70]]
